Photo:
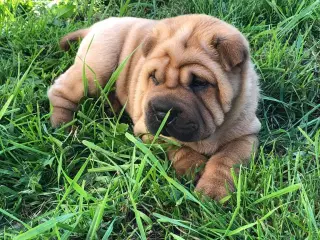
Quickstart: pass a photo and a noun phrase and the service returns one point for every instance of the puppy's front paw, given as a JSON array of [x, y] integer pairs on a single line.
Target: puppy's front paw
[[63, 108], [60, 116], [186, 161], [215, 182]]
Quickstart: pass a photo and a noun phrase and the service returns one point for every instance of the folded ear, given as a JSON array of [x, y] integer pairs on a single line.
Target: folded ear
[[233, 50]]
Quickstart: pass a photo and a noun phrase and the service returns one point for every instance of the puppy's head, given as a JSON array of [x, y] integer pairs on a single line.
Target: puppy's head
[[193, 69]]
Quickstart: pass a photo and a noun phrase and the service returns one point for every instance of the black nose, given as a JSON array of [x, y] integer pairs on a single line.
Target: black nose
[[182, 123], [160, 115], [160, 111]]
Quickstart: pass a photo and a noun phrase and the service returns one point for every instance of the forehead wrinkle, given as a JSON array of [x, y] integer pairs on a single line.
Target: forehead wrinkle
[[158, 52], [161, 71], [175, 50], [196, 57], [183, 34], [155, 62], [184, 76], [161, 31], [172, 77], [197, 70], [176, 45]]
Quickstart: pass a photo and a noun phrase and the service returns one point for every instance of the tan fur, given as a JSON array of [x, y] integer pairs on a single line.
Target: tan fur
[[175, 47]]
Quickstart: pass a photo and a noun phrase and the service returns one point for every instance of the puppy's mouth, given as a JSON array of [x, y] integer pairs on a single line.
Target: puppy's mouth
[[179, 124]]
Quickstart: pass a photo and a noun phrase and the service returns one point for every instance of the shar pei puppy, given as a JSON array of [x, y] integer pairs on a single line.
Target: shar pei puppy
[[195, 66]]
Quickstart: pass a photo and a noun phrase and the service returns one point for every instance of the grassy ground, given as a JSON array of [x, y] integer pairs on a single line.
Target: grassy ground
[[103, 183]]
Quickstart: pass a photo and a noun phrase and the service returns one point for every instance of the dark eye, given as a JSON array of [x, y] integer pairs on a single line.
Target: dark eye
[[153, 78], [198, 83]]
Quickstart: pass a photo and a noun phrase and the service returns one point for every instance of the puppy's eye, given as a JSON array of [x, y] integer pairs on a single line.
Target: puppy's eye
[[198, 83], [153, 78]]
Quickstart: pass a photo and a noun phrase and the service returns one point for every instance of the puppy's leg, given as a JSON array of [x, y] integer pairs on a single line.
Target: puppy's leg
[[185, 160], [65, 95], [217, 173], [99, 59]]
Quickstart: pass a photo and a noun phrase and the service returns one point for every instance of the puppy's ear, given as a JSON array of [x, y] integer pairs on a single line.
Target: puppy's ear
[[233, 50], [148, 44]]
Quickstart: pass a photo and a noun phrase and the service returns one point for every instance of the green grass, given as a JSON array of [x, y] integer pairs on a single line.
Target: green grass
[[103, 183]]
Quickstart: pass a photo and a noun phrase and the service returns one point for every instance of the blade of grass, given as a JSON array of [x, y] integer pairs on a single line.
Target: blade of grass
[[4, 212], [138, 217], [5, 106], [279, 193], [250, 225], [109, 230], [97, 217], [236, 211], [179, 223], [43, 227], [75, 179]]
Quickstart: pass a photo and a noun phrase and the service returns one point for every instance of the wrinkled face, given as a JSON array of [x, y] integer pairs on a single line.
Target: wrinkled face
[[193, 69]]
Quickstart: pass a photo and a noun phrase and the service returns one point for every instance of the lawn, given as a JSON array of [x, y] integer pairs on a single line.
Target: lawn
[[103, 183]]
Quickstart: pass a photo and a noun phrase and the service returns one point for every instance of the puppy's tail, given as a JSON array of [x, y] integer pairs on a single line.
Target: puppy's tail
[[72, 37]]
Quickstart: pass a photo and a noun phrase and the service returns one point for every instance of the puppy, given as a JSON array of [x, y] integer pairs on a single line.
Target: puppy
[[195, 66]]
